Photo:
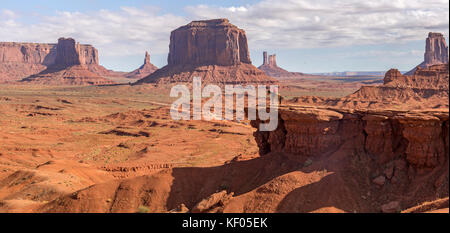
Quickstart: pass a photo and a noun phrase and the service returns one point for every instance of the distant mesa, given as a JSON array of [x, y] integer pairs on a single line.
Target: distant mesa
[[436, 52], [69, 67], [145, 70], [21, 60], [427, 88], [214, 50]]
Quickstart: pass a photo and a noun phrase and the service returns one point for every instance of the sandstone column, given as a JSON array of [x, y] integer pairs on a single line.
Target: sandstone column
[[264, 58]]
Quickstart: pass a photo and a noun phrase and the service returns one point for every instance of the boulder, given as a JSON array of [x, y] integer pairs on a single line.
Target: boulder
[[391, 207], [217, 200]]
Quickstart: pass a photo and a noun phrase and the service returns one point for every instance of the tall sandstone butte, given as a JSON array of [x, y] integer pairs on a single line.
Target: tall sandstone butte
[[146, 69], [69, 67], [214, 50], [211, 42], [271, 68], [436, 51], [20, 60]]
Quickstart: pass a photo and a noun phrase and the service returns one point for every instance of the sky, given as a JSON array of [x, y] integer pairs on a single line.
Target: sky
[[308, 36]]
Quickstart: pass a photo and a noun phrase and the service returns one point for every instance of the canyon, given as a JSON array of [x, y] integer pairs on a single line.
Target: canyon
[[88, 144]]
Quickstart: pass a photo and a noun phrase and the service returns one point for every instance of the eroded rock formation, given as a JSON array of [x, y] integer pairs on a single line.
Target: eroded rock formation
[[69, 68], [271, 68], [210, 42], [214, 50], [20, 60], [397, 133], [436, 51], [146, 69], [426, 89], [418, 137]]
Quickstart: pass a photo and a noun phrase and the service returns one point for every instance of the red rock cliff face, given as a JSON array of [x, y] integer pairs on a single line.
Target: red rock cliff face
[[211, 42], [70, 68], [436, 51], [214, 50], [20, 60], [426, 89], [402, 156], [420, 138]]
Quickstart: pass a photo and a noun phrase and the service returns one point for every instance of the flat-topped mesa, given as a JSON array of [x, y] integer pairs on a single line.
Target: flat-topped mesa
[[214, 50], [436, 51], [69, 68], [20, 60], [210, 42]]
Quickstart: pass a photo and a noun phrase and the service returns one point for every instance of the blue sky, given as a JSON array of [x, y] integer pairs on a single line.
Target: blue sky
[[307, 36]]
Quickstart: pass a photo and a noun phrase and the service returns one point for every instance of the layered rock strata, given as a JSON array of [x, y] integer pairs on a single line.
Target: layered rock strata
[[214, 50]]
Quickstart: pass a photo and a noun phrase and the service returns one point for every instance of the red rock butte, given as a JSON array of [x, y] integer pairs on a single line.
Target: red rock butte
[[69, 68], [146, 69], [436, 51], [21, 60], [214, 50], [271, 68]]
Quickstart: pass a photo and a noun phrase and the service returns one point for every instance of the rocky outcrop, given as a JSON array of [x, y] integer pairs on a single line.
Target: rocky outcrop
[[68, 53], [214, 50], [403, 156], [209, 42], [418, 137], [20, 60], [436, 52], [271, 68], [427, 88], [143, 71], [69, 68]]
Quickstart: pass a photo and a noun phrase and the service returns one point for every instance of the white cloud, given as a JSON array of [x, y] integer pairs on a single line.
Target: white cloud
[[129, 31], [321, 23], [270, 24]]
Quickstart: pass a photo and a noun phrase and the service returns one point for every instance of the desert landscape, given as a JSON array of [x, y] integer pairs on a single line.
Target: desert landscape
[[76, 137]]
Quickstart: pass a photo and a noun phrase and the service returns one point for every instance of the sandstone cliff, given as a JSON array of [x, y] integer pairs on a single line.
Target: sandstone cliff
[[271, 68], [214, 50], [395, 136], [145, 70], [436, 51], [210, 42], [427, 88], [20, 60], [69, 68], [396, 156]]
